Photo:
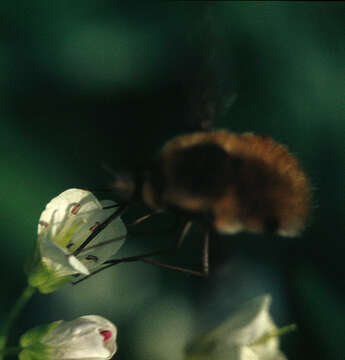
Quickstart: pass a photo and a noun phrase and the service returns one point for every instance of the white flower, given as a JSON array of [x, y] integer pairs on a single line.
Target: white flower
[[248, 334], [88, 337], [63, 226]]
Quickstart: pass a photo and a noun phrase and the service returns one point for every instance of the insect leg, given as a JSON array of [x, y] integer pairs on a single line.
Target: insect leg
[[185, 229], [100, 227], [143, 257], [102, 243], [114, 262], [205, 254], [172, 267], [137, 221], [111, 206], [144, 217], [110, 263]]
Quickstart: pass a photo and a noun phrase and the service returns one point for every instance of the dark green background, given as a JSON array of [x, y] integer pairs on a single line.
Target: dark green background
[[89, 82]]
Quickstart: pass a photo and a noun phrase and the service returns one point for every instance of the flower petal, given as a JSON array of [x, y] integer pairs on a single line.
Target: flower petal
[[248, 323], [60, 261], [64, 206]]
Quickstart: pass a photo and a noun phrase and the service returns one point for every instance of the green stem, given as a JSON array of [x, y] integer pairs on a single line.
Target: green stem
[[14, 313]]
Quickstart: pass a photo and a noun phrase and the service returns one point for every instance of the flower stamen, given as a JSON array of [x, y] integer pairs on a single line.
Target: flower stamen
[[94, 227], [75, 209], [92, 257], [44, 223], [275, 333]]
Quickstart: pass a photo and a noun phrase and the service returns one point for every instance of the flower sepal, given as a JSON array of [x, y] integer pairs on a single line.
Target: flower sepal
[[33, 349], [46, 280]]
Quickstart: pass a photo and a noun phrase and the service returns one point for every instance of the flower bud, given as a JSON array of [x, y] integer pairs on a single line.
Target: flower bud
[[63, 226], [88, 337]]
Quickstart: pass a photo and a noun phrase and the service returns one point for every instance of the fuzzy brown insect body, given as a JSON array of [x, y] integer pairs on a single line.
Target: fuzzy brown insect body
[[236, 182], [228, 182]]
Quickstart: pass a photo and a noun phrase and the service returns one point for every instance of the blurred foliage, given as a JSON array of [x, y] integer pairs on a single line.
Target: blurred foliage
[[83, 83]]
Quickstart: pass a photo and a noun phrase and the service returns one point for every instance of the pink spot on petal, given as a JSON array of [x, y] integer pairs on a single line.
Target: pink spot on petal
[[107, 334]]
